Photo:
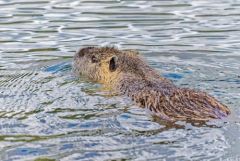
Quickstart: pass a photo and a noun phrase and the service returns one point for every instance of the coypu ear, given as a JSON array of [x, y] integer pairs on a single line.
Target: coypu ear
[[113, 63]]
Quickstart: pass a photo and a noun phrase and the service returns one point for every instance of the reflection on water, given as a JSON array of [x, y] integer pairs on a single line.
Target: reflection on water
[[46, 112]]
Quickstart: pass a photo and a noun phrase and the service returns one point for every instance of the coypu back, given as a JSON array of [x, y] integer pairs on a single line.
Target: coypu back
[[124, 71], [169, 102]]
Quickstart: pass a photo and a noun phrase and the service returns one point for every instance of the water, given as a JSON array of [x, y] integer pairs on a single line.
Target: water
[[46, 112]]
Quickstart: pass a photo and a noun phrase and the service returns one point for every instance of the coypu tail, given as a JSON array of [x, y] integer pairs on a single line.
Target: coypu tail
[[169, 102]]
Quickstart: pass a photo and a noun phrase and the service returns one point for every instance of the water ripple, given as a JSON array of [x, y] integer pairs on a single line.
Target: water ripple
[[47, 112]]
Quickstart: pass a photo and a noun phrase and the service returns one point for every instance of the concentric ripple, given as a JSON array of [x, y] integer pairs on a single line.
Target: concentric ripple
[[47, 112]]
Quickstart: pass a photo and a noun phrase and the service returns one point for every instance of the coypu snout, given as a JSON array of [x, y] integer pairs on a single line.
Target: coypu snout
[[125, 72], [84, 51]]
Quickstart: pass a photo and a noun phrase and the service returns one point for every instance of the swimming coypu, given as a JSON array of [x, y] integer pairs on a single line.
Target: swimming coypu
[[124, 71]]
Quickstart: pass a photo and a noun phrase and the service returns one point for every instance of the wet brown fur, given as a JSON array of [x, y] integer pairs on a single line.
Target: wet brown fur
[[124, 71]]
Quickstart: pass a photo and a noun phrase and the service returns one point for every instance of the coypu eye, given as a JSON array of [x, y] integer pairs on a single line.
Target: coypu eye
[[113, 64], [94, 59]]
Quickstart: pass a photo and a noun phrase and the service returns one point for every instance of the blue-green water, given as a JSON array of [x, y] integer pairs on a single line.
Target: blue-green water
[[46, 112]]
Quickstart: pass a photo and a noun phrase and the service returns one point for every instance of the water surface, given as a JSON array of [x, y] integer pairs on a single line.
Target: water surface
[[47, 112]]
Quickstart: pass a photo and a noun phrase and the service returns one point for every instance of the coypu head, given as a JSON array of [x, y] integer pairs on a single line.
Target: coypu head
[[99, 64], [107, 64]]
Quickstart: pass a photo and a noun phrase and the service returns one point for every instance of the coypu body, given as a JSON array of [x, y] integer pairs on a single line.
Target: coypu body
[[125, 72]]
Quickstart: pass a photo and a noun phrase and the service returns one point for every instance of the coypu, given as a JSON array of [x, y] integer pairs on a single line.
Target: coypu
[[125, 72]]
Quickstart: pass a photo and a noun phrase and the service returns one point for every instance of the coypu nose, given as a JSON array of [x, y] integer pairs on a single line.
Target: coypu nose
[[83, 51]]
